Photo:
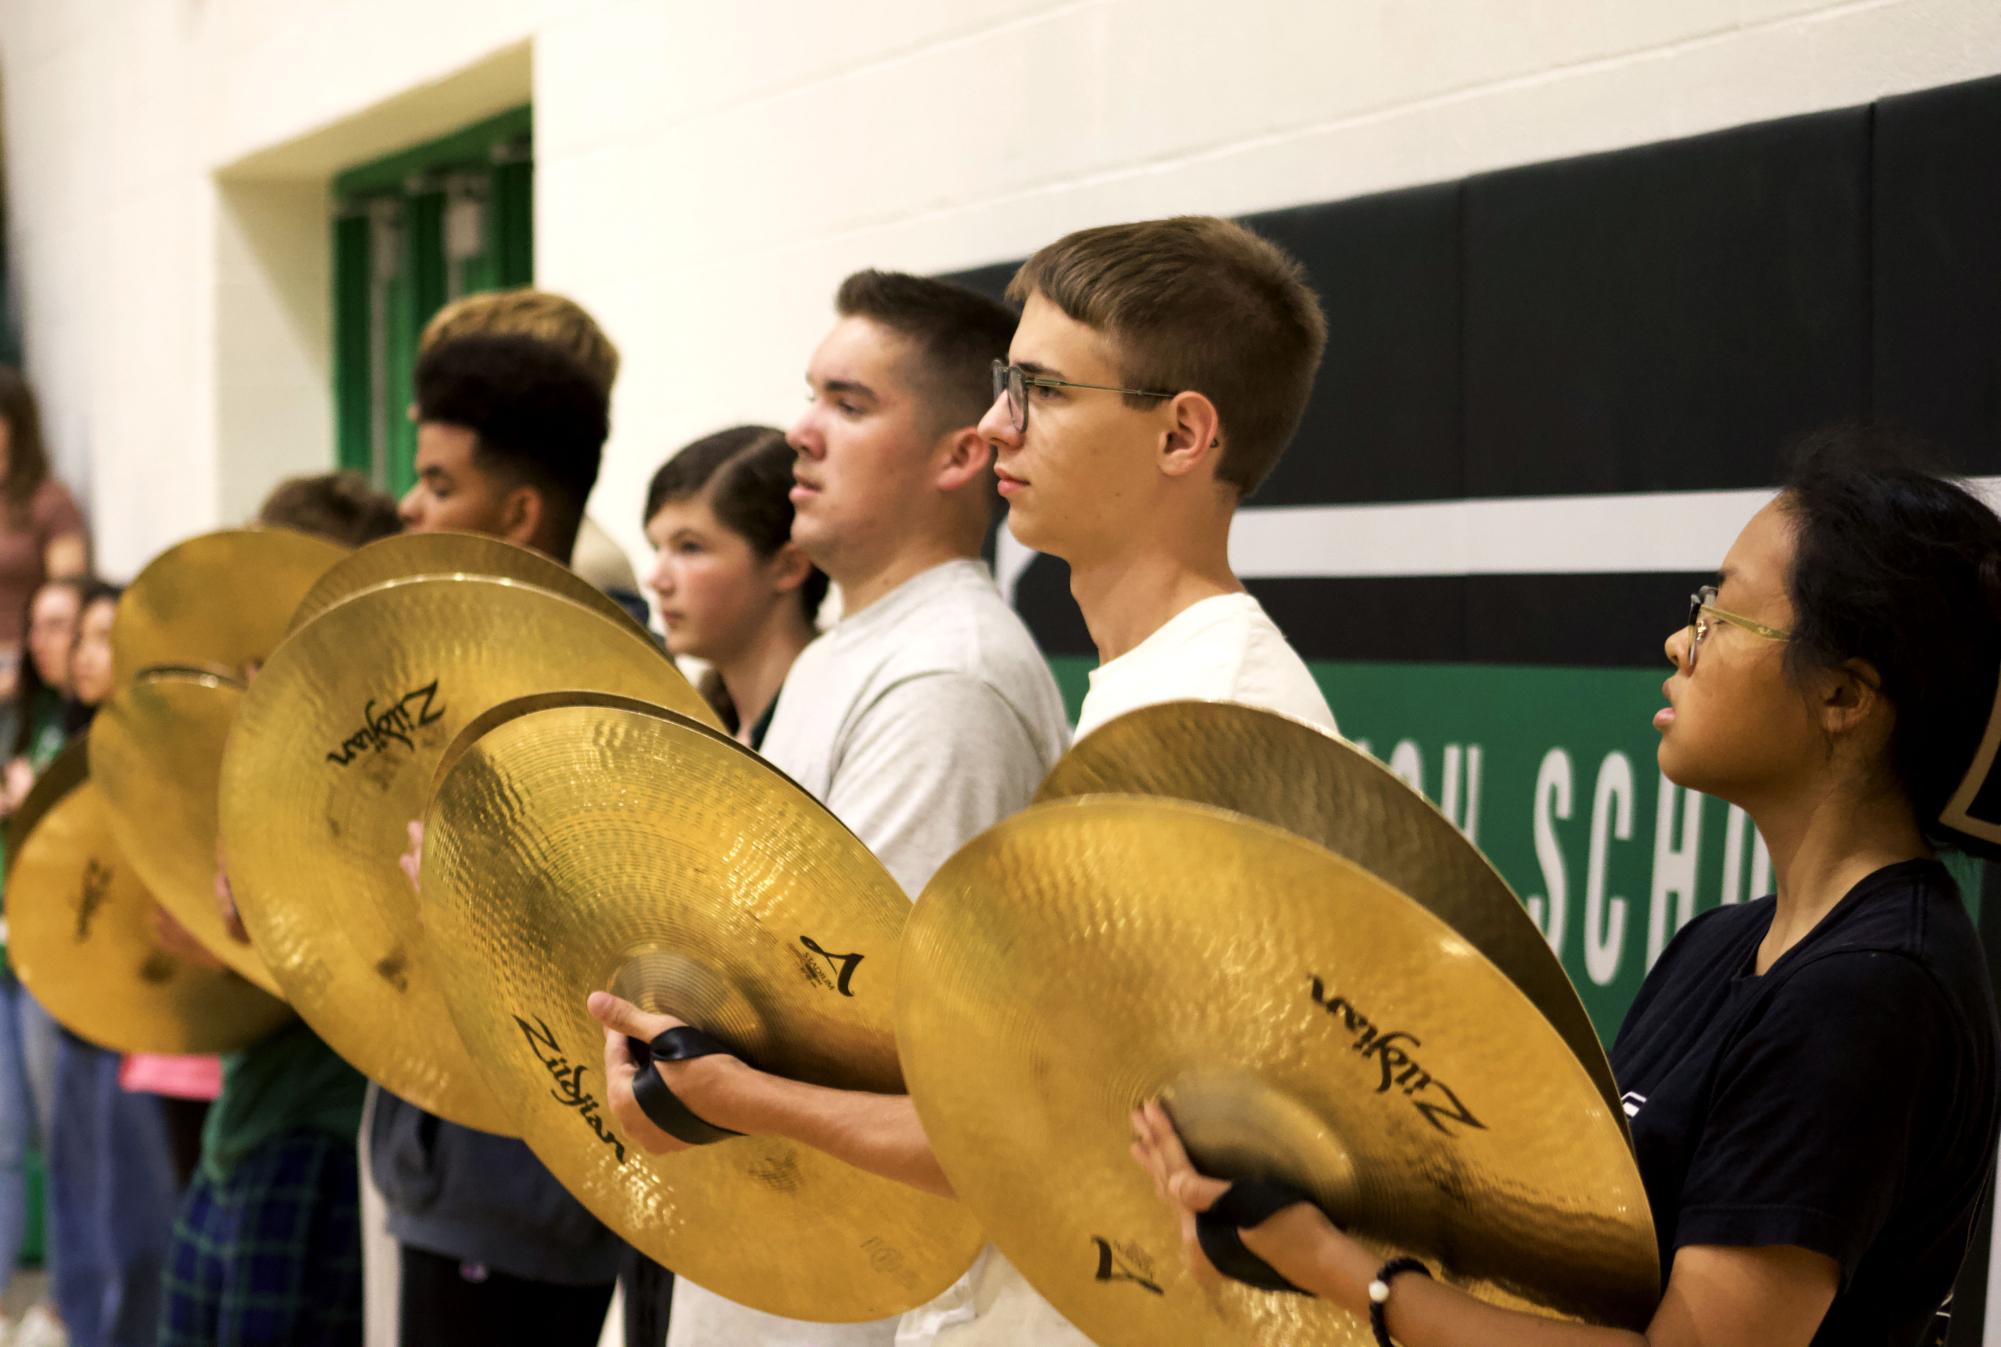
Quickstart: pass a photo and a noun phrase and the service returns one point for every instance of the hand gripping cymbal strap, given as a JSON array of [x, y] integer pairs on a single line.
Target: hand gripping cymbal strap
[[1243, 1205], [661, 1106]]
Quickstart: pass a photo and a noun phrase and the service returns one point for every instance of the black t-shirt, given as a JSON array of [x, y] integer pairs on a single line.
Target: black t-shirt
[[1845, 1101]]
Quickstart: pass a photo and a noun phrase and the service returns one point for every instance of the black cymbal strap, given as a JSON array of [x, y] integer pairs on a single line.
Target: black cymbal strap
[[660, 1105], [1243, 1205]]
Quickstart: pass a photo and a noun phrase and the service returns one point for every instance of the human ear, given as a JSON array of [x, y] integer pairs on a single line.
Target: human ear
[[788, 568], [1850, 696], [965, 457], [521, 512], [1194, 438]]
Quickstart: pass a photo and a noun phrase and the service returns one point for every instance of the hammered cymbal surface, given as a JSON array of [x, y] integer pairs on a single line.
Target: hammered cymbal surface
[[403, 556], [156, 754], [1305, 780], [1303, 1021], [331, 759], [221, 599], [80, 934], [606, 847]]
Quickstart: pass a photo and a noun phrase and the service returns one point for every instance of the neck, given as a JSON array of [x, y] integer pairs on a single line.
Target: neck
[[862, 586], [1129, 594], [754, 676], [1822, 847]]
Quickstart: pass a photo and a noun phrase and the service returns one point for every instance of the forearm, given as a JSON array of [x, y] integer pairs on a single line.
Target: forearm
[[879, 1133], [1310, 1252]]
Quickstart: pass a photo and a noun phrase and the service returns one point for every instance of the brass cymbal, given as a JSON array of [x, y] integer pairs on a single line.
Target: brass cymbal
[[79, 934], [404, 555], [1303, 1020], [156, 755], [606, 845], [220, 599], [1299, 777], [332, 757]]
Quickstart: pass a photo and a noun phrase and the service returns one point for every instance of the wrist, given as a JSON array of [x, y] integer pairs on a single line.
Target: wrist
[[714, 1089]]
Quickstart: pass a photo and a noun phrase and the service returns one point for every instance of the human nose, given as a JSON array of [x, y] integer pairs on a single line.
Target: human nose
[[805, 437], [997, 426], [407, 509], [1680, 652], [661, 577]]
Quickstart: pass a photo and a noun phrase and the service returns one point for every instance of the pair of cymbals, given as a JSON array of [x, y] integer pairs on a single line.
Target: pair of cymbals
[[1328, 984], [1302, 1019], [580, 842], [332, 756], [80, 933]]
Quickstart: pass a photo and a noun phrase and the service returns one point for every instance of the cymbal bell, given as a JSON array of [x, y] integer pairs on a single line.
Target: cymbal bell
[[332, 758], [156, 755], [220, 600], [80, 936], [1299, 777], [1303, 1021], [402, 556], [609, 845]]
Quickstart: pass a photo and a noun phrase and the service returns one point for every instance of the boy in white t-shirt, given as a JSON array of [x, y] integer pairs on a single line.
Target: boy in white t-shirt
[[1157, 374]]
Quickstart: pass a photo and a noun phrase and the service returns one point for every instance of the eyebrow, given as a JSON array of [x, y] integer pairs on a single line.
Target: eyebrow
[[1038, 370], [850, 386]]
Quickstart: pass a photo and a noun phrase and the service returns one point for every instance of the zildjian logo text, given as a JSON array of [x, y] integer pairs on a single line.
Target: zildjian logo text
[[569, 1081], [1391, 1048], [392, 724]]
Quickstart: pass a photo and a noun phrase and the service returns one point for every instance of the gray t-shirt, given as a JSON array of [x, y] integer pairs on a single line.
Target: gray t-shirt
[[920, 722]]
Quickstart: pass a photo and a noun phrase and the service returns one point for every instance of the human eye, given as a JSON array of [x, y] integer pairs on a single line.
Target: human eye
[[1045, 392]]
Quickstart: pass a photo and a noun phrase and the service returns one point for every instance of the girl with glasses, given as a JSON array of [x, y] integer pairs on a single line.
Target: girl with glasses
[[1810, 1078]]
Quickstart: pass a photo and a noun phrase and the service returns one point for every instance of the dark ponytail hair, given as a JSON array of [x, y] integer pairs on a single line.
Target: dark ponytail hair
[[745, 474], [1897, 563]]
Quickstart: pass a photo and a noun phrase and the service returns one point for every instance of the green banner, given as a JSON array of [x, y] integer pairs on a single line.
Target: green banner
[[1551, 772]]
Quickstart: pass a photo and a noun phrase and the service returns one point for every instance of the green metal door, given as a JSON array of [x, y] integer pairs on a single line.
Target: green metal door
[[411, 232]]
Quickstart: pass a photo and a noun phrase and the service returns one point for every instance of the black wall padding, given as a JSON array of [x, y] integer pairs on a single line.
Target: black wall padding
[[1938, 267], [1383, 424], [1661, 318]]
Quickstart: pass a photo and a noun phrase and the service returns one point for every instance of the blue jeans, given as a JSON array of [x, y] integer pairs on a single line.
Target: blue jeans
[[112, 1198], [18, 1129]]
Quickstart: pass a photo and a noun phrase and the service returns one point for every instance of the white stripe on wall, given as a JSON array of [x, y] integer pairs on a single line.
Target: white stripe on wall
[[1663, 531]]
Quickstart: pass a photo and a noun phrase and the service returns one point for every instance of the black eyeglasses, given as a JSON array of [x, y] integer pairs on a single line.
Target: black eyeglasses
[[1013, 382]]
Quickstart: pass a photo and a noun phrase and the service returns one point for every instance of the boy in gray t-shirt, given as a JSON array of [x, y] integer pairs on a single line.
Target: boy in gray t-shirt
[[926, 714]]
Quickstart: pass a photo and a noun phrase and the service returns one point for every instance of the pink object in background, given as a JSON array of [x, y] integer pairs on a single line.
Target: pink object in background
[[175, 1077]]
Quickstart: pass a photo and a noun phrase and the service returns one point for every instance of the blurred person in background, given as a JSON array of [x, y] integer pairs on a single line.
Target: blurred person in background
[[42, 532], [111, 1185], [28, 1037]]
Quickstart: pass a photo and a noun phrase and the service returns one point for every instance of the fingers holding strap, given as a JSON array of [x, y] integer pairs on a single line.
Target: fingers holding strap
[[1243, 1205], [662, 1107]]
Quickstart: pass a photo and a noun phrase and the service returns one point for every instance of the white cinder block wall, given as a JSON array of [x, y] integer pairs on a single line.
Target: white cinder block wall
[[706, 174]]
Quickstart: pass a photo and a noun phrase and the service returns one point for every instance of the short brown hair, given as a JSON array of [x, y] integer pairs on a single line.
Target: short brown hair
[[958, 333], [338, 506], [1196, 304], [547, 317]]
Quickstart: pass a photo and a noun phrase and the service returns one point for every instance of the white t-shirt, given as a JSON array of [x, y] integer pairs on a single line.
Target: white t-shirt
[[1220, 649], [920, 722]]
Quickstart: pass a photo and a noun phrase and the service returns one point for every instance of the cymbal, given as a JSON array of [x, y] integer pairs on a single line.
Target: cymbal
[[156, 755], [404, 555], [1303, 1021], [220, 599], [1299, 777], [607, 845], [332, 757], [79, 934]]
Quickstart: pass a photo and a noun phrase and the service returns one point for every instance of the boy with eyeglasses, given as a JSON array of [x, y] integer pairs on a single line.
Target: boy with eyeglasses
[[1157, 373]]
